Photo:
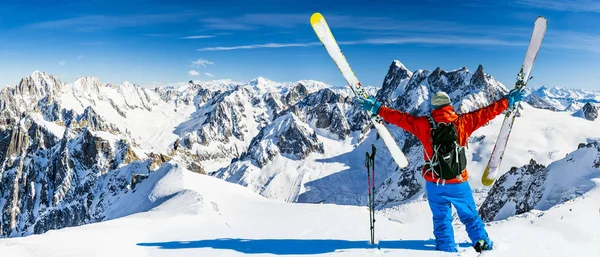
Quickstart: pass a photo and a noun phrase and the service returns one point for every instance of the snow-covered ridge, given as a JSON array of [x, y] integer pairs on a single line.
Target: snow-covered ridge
[[561, 99]]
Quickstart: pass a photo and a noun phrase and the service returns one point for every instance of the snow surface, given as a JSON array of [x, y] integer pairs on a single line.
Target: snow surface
[[197, 215]]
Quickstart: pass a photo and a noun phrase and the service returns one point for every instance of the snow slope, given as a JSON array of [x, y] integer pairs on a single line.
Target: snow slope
[[197, 215]]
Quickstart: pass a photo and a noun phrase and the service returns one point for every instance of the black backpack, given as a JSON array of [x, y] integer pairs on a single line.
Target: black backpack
[[449, 159]]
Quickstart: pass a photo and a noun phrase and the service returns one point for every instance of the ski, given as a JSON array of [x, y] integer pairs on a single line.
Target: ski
[[491, 171], [324, 33]]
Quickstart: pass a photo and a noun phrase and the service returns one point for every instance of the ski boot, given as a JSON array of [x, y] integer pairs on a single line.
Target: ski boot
[[482, 245]]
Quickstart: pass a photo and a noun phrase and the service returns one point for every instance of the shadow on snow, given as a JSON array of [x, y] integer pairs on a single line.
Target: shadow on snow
[[293, 246]]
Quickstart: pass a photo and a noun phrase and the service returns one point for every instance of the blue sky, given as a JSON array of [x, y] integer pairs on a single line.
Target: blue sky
[[160, 42]]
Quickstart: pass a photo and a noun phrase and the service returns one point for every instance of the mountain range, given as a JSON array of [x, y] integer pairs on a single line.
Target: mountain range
[[75, 153]]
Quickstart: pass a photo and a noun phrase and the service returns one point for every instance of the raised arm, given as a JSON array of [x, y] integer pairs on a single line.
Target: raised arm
[[404, 120], [410, 123], [474, 120]]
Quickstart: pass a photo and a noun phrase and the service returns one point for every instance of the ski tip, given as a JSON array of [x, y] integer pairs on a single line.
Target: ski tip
[[485, 180], [316, 18], [541, 19]]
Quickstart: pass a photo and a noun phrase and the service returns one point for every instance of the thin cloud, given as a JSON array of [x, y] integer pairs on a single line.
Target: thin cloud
[[198, 37], [267, 45], [224, 24], [201, 62], [572, 40], [103, 22], [79, 57], [252, 21], [563, 5], [193, 73], [160, 35], [438, 40], [62, 63], [210, 75], [92, 43]]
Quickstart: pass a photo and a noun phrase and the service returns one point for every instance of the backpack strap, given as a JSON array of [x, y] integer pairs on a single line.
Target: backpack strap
[[432, 122]]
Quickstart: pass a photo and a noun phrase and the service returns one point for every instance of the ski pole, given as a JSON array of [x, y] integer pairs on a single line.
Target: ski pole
[[370, 165], [373, 192], [369, 205]]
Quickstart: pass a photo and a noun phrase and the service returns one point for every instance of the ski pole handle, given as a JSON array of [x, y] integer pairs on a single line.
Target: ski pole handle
[[374, 150]]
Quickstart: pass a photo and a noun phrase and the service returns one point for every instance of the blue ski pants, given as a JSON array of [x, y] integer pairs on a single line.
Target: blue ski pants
[[441, 198]]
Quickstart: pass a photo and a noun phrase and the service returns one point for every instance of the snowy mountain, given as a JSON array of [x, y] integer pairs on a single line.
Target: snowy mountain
[[70, 151], [84, 152], [325, 167], [560, 98]]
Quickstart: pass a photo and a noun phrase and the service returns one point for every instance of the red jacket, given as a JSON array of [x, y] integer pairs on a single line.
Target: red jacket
[[465, 124]]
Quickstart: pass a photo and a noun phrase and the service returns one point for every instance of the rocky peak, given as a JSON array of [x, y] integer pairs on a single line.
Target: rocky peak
[[520, 189], [479, 76], [87, 86], [89, 118], [39, 84], [394, 82], [286, 135], [590, 111], [296, 93]]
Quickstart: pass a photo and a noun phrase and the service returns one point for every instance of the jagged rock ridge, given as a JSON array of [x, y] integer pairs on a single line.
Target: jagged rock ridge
[[536, 187]]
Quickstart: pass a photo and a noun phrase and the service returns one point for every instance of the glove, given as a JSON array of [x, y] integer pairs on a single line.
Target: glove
[[514, 96], [369, 104]]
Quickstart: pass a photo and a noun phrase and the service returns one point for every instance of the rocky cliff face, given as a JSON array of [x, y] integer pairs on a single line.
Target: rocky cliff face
[[51, 181], [63, 162], [516, 192], [536, 187], [590, 111]]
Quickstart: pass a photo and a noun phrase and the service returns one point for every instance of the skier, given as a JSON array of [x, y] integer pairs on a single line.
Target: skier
[[445, 168]]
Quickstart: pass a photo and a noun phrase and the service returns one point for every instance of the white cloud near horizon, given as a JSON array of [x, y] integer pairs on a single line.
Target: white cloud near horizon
[[201, 62], [267, 45], [198, 37], [210, 75], [62, 63], [193, 73]]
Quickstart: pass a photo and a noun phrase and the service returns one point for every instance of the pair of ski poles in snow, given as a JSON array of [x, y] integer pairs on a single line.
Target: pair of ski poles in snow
[[370, 164]]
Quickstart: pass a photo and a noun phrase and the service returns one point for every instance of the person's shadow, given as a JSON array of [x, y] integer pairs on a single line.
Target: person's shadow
[[293, 246]]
